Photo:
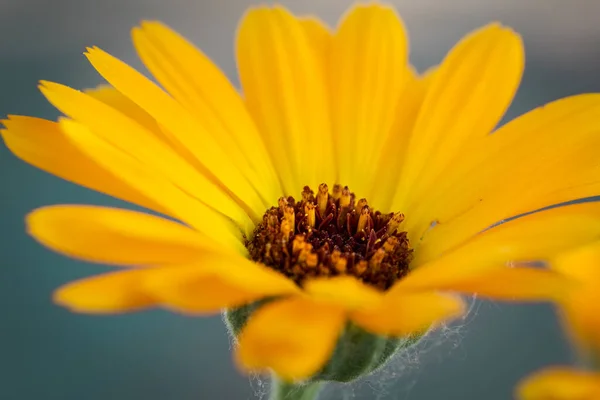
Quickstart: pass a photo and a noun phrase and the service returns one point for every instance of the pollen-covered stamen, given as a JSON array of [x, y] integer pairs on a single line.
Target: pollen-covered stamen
[[329, 235], [365, 222], [323, 198], [337, 192], [310, 214], [290, 215], [395, 222]]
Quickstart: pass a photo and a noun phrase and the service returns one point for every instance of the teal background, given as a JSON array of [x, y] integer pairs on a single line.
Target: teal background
[[49, 353]]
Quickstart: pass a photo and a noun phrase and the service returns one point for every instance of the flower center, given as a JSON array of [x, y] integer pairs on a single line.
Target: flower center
[[331, 234]]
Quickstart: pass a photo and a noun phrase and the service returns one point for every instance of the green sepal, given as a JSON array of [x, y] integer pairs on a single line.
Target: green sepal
[[281, 390], [359, 353], [236, 318]]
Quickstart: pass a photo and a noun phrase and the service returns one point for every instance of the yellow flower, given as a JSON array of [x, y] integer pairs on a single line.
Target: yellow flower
[[579, 312], [316, 107]]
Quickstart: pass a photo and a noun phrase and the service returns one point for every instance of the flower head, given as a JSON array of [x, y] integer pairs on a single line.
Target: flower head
[[318, 109]]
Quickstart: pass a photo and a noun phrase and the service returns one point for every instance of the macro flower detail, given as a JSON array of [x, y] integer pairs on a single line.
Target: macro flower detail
[[248, 210], [328, 235]]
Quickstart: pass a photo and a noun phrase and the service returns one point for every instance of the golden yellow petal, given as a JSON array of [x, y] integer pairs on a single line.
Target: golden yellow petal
[[538, 236], [109, 124], [580, 310], [293, 337], [183, 129], [579, 316], [394, 150], [345, 291], [198, 84], [319, 37], [581, 264], [469, 94], [368, 68], [560, 383], [115, 99], [402, 314], [44, 145], [507, 173], [518, 284], [284, 86], [177, 202], [216, 282], [114, 236], [111, 293]]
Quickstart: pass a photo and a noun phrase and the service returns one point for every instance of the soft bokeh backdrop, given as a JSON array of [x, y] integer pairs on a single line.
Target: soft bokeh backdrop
[[48, 353]]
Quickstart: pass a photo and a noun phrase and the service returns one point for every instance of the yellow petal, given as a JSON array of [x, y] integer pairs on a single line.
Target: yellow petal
[[393, 153], [560, 383], [368, 68], [581, 264], [293, 337], [109, 124], [216, 282], [110, 293], [538, 236], [115, 99], [506, 174], [114, 236], [579, 316], [198, 84], [183, 128], [580, 309], [402, 314], [345, 291], [284, 86], [469, 94], [319, 37], [518, 284], [42, 143], [178, 203]]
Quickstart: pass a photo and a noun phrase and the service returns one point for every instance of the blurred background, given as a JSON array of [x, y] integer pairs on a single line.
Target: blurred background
[[48, 353]]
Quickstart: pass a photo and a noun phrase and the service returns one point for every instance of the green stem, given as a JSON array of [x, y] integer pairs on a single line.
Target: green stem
[[290, 391]]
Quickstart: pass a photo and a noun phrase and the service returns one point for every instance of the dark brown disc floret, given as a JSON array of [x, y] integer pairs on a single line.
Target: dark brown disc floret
[[331, 234]]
